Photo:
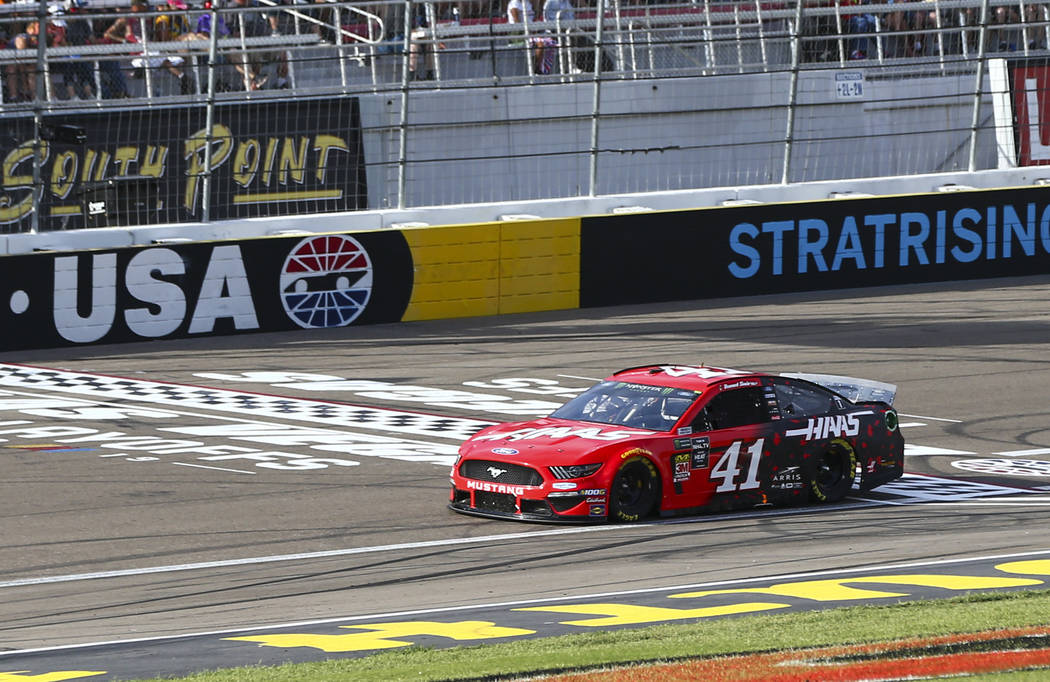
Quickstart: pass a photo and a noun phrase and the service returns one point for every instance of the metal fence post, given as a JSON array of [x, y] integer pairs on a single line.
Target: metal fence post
[[402, 151], [975, 119], [38, 106], [596, 103], [796, 52], [209, 116]]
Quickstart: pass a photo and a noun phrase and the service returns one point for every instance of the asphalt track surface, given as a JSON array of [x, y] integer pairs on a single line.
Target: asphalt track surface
[[112, 531]]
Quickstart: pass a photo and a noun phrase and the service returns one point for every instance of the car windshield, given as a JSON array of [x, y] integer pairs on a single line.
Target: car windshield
[[635, 405]]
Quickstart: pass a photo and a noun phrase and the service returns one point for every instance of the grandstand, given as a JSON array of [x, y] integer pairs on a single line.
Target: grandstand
[[378, 113]]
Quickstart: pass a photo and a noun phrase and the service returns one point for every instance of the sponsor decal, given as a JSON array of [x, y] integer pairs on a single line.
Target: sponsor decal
[[832, 426], [504, 451], [822, 245], [593, 491], [150, 164], [164, 297], [740, 384], [555, 432], [198, 289], [789, 478], [326, 281], [700, 372], [484, 486], [596, 510], [1031, 109], [961, 235], [563, 485], [595, 500], [685, 430], [680, 467], [701, 449], [682, 443]]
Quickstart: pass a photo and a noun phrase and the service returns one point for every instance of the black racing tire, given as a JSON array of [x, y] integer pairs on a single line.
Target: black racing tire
[[635, 491], [833, 472]]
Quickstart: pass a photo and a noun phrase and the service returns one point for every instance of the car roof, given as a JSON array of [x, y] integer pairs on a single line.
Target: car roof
[[690, 377]]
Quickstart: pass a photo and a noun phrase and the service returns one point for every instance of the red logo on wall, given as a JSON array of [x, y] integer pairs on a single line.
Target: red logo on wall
[[1031, 91]]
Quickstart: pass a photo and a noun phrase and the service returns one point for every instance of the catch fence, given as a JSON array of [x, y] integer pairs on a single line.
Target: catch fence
[[146, 115]]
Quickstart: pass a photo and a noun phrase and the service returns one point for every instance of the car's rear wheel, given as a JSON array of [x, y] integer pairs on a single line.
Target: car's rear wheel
[[635, 490], [833, 472]]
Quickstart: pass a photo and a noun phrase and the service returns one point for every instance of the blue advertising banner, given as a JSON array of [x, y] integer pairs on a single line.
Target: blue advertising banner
[[807, 246]]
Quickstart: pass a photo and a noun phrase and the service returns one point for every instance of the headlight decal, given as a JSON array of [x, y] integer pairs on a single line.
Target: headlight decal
[[574, 471]]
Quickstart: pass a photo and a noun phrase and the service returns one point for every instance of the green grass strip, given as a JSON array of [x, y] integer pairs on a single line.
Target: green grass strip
[[742, 634]]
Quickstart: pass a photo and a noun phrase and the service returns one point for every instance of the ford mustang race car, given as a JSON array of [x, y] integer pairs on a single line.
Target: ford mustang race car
[[672, 439]]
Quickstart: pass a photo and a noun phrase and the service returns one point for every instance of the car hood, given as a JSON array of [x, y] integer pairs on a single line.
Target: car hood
[[561, 437]]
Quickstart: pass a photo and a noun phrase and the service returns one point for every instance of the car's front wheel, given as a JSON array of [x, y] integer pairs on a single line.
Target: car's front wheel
[[833, 472], [635, 490]]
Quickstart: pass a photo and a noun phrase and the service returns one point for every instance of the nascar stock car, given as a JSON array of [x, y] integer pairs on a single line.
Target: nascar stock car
[[673, 439]]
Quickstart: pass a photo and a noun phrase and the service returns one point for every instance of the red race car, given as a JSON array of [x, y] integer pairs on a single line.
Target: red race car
[[673, 439]]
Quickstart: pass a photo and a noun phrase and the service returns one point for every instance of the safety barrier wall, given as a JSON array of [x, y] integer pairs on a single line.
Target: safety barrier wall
[[340, 280]]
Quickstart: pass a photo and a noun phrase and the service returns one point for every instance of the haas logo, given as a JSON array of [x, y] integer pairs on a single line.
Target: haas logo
[[326, 281]]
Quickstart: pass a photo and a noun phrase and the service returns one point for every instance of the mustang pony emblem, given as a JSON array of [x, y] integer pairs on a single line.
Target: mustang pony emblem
[[496, 472]]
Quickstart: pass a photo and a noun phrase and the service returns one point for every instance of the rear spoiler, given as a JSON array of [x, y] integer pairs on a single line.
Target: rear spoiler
[[857, 390]]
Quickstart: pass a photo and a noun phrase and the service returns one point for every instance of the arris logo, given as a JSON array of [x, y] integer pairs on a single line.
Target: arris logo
[[326, 281]]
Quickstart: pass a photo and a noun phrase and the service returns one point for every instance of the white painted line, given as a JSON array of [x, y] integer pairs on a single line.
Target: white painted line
[[930, 451], [550, 600], [1024, 453], [451, 542], [201, 466], [932, 419], [1038, 502], [908, 425]]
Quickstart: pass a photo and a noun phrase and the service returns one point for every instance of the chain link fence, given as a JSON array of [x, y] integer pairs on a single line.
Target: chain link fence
[[132, 114]]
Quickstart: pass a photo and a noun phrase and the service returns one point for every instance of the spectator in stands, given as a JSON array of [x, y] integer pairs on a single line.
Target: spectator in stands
[[520, 11], [861, 24], [1002, 35], [77, 73], [323, 27], [543, 46], [417, 47], [558, 10], [250, 64], [130, 30], [281, 19], [922, 20], [20, 76], [204, 23], [112, 83], [1035, 14], [280, 23], [168, 27]]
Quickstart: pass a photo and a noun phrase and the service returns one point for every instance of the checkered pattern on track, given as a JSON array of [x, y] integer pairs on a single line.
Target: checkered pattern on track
[[256, 405]]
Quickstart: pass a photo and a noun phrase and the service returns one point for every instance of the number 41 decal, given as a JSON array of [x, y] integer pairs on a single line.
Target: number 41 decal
[[727, 468]]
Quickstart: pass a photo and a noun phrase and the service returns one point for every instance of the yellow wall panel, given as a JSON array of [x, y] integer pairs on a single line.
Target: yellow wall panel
[[494, 268]]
